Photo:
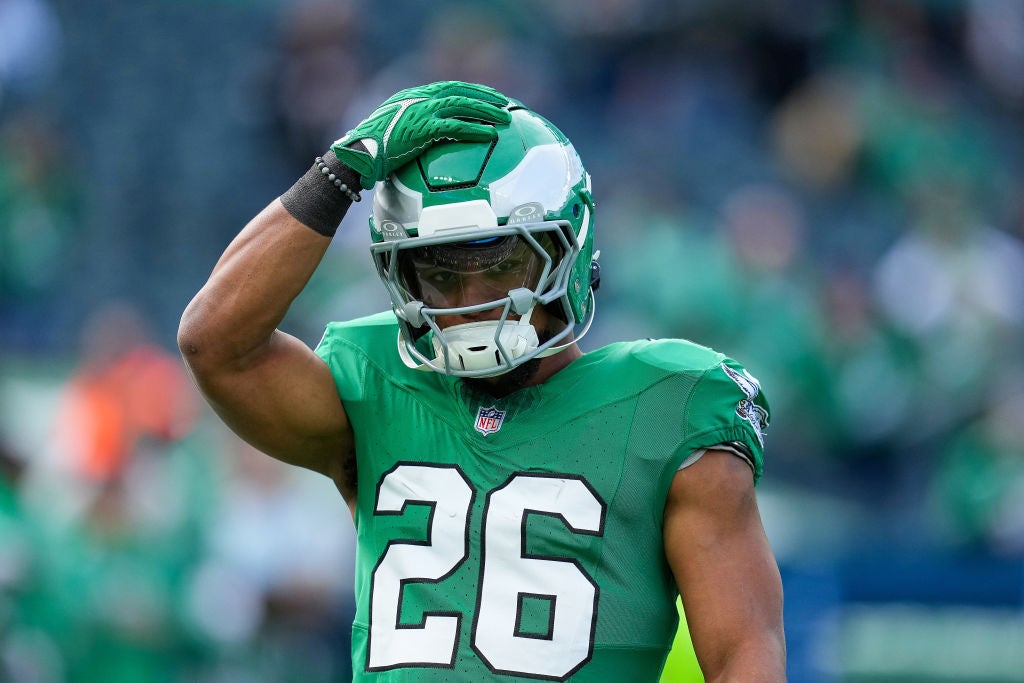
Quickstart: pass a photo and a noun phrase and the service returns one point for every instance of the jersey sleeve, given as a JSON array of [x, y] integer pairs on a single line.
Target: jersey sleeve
[[345, 348], [344, 363], [728, 405]]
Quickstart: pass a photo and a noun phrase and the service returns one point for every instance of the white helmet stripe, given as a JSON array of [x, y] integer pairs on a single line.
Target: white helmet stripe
[[543, 176], [581, 238]]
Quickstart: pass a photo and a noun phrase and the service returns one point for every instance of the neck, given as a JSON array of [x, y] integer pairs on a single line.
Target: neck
[[532, 373], [552, 364]]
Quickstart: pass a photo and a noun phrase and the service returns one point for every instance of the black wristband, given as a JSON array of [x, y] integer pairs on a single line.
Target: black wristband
[[321, 197]]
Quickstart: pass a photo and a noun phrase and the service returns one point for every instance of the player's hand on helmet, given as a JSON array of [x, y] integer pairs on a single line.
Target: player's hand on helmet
[[412, 120]]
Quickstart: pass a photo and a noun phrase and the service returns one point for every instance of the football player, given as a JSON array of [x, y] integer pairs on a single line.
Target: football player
[[523, 510]]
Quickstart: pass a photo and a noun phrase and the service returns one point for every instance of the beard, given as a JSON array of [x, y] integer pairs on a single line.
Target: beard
[[518, 377], [504, 384]]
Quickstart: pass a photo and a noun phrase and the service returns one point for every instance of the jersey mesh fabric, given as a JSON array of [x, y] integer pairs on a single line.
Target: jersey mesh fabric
[[647, 445], [614, 425]]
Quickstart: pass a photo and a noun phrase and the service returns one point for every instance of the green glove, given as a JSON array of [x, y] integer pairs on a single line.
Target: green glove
[[412, 120]]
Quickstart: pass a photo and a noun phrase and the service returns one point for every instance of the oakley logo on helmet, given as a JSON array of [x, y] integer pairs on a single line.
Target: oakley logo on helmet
[[526, 213], [392, 230]]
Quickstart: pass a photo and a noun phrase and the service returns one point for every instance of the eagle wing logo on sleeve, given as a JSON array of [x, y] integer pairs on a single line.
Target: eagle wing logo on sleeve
[[754, 414]]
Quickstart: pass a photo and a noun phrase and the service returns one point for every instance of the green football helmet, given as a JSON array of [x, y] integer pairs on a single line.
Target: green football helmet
[[470, 237]]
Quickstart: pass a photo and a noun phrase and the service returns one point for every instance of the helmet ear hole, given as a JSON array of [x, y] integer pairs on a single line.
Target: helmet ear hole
[[595, 275]]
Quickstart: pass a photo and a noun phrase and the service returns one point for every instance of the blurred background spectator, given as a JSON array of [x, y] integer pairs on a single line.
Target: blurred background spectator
[[830, 191], [30, 39]]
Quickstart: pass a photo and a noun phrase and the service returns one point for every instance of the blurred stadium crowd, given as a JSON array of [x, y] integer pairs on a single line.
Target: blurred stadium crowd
[[830, 191]]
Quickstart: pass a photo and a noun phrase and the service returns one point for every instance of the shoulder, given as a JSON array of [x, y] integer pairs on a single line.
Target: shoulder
[[667, 355], [360, 332], [649, 361], [383, 323], [699, 376], [715, 398], [710, 371], [362, 353]]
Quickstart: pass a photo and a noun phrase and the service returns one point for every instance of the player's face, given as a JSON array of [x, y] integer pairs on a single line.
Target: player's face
[[468, 274]]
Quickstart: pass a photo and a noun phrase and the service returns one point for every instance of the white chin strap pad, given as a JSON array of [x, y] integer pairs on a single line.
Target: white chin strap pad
[[471, 346]]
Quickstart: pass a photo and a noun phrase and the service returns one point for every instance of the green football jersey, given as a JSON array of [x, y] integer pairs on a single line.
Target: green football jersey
[[521, 538]]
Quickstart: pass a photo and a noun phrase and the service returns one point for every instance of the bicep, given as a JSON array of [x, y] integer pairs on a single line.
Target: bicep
[[285, 403], [725, 569]]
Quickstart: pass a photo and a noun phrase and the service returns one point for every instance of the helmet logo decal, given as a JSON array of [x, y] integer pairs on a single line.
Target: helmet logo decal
[[526, 213], [392, 230], [488, 420], [746, 408]]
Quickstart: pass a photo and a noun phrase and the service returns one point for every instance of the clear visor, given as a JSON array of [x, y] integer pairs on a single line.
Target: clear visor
[[471, 273]]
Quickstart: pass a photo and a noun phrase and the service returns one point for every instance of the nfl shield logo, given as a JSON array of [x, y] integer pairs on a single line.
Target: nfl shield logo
[[488, 420]]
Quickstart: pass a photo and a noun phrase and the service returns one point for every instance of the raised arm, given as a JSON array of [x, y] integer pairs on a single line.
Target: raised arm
[[726, 572], [269, 387]]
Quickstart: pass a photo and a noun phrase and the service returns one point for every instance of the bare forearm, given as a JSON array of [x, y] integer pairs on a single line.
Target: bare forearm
[[741, 637], [762, 661], [248, 294], [726, 572]]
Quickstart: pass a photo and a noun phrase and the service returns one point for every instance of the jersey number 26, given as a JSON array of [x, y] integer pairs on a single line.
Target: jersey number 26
[[508, 575]]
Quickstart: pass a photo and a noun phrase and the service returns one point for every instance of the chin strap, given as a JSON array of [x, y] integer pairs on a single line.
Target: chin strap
[[586, 328], [407, 358]]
